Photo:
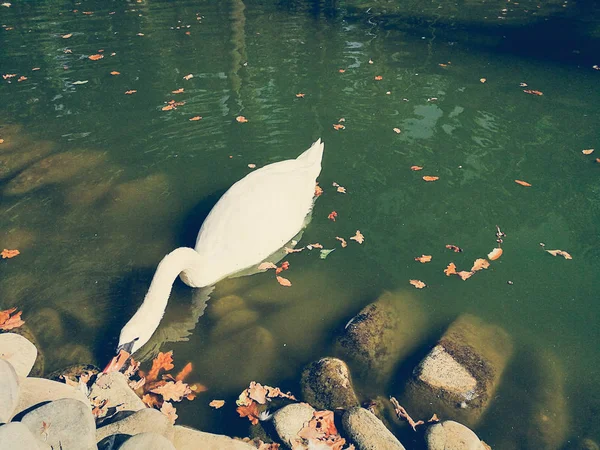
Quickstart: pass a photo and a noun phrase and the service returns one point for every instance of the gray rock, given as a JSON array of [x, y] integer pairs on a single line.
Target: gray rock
[[185, 438], [114, 388], [326, 384], [459, 377], [224, 305], [381, 334], [290, 419], [16, 436], [39, 390], [367, 432], [38, 367], [19, 352], [233, 322], [147, 441], [9, 390], [64, 423], [450, 435], [142, 421]]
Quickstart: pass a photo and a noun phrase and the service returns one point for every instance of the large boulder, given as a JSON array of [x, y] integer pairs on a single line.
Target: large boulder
[[38, 367], [185, 438], [367, 432], [326, 384], [19, 351], [142, 421], [381, 334], [64, 423], [16, 436], [114, 388], [39, 390], [289, 420], [9, 390], [459, 377], [450, 435], [147, 441]]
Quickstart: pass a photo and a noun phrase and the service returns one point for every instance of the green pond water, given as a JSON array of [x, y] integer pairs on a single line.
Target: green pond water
[[96, 185]]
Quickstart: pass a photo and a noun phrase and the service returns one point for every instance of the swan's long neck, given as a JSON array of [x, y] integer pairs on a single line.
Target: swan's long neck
[[150, 313]]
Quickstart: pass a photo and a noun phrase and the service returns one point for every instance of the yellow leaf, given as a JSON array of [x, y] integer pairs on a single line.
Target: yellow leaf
[[358, 237], [217, 404], [450, 270]]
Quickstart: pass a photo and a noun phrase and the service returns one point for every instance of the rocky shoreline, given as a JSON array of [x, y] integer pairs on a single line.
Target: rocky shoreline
[[450, 390]]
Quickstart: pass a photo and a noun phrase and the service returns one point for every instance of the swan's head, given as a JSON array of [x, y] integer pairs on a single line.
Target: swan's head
[[134, 335]]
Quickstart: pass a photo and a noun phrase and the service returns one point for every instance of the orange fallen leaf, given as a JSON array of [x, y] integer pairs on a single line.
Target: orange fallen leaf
[[217, 404], [21, 78], [177, 91], [195, 118], [164, 361], [423, 258], [358, 237], [338, 126], [151, 400], [450, 270], [417, 283], [378, 78], [483, 80], [464, 275], [184, 372], [114, 72], [168, 410], [480, 264], [257, 392], [341, 70], [495, 254], [343, 241], [332, 215], [67, 36], [8, 322], [397, 130], [132, 91], [315, 245], [284, 266], [1, 141], [266, 266], [188, 77], [173, 391], [561, 253], [283, 281], [523, 183], [532, 92], [428, 178], [168, 107], [415, 168], [454, 248], [589, 151], [598, 160], [250, 411], [7, 254], [95, 57], [241, 119], [300, 95], [318, 191], [289, 250]]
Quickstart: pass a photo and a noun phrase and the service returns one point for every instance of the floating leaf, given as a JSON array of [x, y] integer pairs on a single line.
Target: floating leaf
[[482, 80], [67, 36], [80, 82], [300, 95], [184, 372], [177, 91], [341, 70], [164, 361], [266, 266], [132, 91], [241, 119], [523, 183], [397, 130], [589, 151], [358, 237], [428, 178], [250, 411], [561, 253], [532, 92], [495, 254], [479, 264], [417, 283], [338, 126], [114, 72], [378, 78], [423, 258], [450, 270], [343, 241], [188, 77], [464, 275], [332, 215], [217, 404], [454, 248], [318, 191], [415, 168], [95, 57], [195, 118], [283, 281], [173, 391], [252, 166], [7, 254], [8, 322]]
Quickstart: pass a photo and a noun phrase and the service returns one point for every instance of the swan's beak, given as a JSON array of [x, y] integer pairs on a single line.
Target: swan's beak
[[117, 363]]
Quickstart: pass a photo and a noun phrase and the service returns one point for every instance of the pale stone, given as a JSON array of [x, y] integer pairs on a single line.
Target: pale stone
[[16, 436], [290, 419], [18, 351], [450, 435], [142, 421], [9, 390], [147, 441], [440, 370], [64, 423], [367, 432], [39, 390], [185, 438], [114, 388]]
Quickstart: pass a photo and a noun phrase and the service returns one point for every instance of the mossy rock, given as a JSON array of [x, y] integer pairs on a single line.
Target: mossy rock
[[326, 384], [73, 372]]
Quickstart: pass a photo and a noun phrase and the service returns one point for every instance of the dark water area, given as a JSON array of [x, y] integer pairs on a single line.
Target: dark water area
[[97, 185]]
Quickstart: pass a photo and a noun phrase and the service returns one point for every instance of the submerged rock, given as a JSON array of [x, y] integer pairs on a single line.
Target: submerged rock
[[381, 334], [18, 351], [16, 436], [65, 423], [326, 384], [289, 420], [185, 438], [47, 323], [224, 305], [12, 163], [233, 322], [459, 376], [147, 441], [9, 390], [450, 435], [367, 432]]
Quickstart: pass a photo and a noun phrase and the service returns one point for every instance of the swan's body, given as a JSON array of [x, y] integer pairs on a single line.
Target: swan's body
[[254, 218]]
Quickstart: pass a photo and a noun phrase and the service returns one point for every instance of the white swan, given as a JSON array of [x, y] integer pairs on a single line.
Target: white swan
[[254, 218]]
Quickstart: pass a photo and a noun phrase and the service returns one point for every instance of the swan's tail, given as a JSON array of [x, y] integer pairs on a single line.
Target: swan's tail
[[313, 155]]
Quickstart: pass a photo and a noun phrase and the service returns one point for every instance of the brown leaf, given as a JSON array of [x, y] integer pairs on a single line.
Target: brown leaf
[[188, 77], [338, 126], [556, 253], [332, 215], [168, 107], [403, 414], [250, 411], [164, 361], [343, 241], [95, 57], [7, 254], [428, 178], [589, 151], [417, 283], [9, 323], [397, 130], [415, 168], [358, 237], [177, 91], [151, 400], [184, 372], [300, 95], [195, 118], [495, 254], [341, 70], [266, 266], [523, 183], [114, 72], [378, 78], [423, 258], [464, 275], [318, 191], [241, 119], [173, 391], [67, 36], [217, 404], [283, 281], [257, 392], [479, 264], [532, 92], [168, 410], [454, 248], [132, 91], [450, 270]]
